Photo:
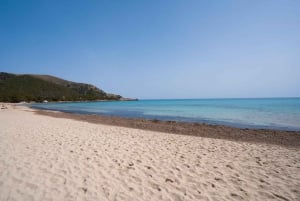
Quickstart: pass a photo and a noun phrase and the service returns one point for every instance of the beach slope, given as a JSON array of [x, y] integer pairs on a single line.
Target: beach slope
[[47, 158]]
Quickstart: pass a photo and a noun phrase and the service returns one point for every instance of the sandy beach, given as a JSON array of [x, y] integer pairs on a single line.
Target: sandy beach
[[47, 158]]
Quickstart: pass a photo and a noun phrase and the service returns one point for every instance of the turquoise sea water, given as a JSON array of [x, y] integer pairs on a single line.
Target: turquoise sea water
[[275, 113]]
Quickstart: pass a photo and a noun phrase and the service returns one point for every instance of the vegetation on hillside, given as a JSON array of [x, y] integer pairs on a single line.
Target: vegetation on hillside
[[17, 88]]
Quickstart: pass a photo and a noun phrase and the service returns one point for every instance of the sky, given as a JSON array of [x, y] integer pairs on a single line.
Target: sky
[[158, 49]]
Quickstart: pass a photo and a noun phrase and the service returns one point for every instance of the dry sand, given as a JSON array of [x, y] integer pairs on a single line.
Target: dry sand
[[47, 158]]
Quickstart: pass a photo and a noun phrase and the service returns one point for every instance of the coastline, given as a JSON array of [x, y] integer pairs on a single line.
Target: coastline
[[267, 136], [260, 113], [47, 158]]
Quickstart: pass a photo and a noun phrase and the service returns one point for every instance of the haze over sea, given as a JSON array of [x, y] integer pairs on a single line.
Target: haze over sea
[[273, 113]]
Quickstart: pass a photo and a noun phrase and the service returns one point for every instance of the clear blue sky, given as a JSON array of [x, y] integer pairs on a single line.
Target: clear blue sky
[[158, 49]]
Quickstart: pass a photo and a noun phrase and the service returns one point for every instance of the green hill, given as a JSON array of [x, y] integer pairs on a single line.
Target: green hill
[[27, 87]]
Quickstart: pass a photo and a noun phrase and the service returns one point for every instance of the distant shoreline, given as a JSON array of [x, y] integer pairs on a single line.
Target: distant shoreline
[[79, 101]]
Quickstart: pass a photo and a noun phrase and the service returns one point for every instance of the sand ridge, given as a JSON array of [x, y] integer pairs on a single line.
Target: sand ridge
[[46, 158]]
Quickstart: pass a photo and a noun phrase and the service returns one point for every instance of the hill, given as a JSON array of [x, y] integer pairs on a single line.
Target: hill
[[27, 87]]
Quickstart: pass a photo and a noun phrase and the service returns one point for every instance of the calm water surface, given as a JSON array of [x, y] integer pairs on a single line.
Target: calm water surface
[[275, 113]]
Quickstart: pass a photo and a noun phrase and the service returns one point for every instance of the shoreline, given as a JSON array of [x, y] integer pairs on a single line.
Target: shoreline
[[232, 114], [266, 136], [185, 120]]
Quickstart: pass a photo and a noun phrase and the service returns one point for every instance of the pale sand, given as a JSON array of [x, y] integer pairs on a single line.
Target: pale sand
[[46, 158]]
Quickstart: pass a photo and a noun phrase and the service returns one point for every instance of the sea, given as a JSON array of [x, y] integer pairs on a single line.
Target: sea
[[260, 113]]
